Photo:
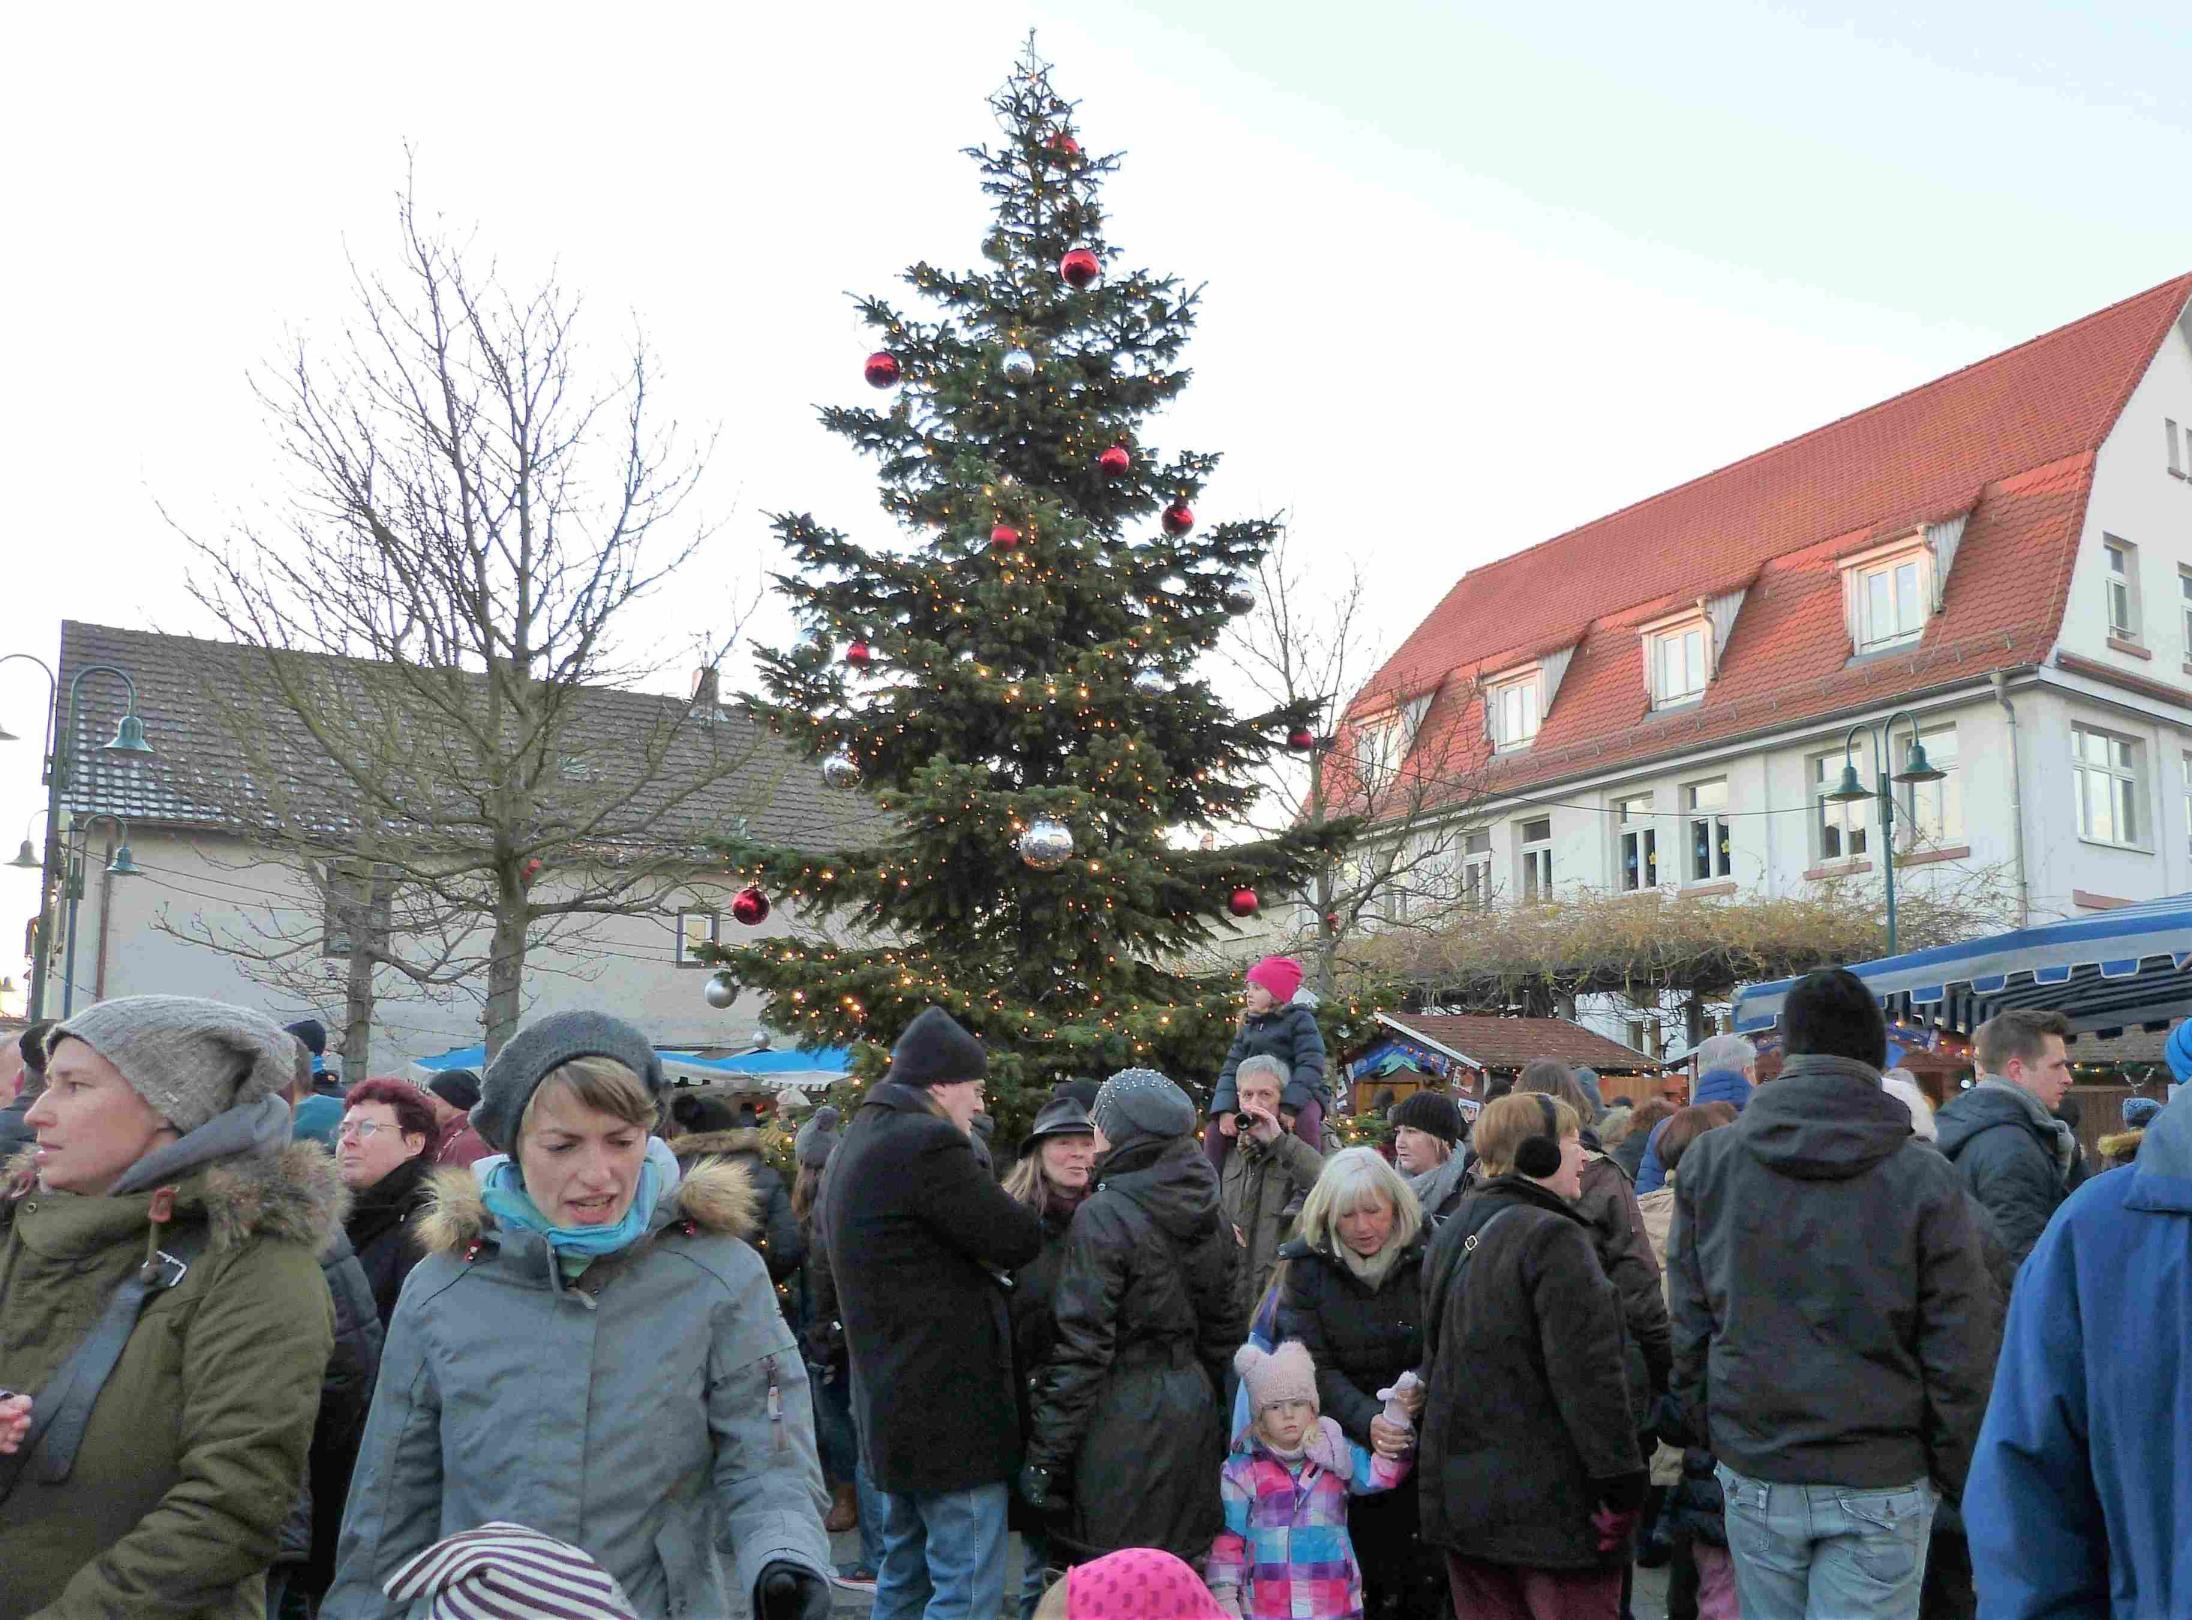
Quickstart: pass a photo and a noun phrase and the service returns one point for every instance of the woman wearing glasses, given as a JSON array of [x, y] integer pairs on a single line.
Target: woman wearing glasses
[[385, 1149]]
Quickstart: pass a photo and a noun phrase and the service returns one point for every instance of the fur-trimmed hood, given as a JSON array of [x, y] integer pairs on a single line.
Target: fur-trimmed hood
[[717, 1197], [295, 1195], [714, 1144]]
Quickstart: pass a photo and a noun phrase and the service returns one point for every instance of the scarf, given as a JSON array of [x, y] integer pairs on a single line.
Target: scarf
[[2066, 1139], [1370, 1270], [1434, 1187], [502, 1189]]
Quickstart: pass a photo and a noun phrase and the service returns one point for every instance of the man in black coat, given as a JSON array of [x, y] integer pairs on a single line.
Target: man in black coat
[[920, 1239], [2002, 1135], [1833, 1321]]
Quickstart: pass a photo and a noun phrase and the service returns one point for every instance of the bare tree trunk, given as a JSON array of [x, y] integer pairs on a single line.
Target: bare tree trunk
[[505, 968], [357, 1041]]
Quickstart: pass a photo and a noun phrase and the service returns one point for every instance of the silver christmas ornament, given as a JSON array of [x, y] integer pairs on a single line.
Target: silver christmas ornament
[[1151, 682], [1046, 845], [719, 991], [1018, 366], [841, 770], [1240, 595]]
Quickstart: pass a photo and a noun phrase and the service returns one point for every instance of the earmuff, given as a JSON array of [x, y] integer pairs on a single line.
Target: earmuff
[[1539, 1156]]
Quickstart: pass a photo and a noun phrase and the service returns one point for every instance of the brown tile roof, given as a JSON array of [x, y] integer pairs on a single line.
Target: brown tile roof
[[200, 774], [1499, 1044], [2010, 440]]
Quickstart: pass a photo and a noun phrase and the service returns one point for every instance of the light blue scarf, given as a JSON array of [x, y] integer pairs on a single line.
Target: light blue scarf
[[503, 1191]]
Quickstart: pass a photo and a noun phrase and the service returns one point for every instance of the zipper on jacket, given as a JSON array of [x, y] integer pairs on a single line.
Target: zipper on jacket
[[776, 1407]]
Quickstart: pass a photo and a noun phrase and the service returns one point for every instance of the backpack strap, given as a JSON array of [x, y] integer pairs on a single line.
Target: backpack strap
[[61, 1410]]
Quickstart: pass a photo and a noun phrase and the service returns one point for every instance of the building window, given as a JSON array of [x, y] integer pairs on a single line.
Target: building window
[[1513, 706], [2184, 598], [1891, 601], [1637, 863], [1678, 665], [1710, 852], [2123, 589], [2188, 798], [695, 929], [1639, 1034], [1535, 840], [1841, 829], [1934, 811], [2107, 771], [1378, 751], [1476, 869], [352, 898], [2178, 459]]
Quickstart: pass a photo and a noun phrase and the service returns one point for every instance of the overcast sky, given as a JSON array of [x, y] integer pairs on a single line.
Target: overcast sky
[[1475, 273]]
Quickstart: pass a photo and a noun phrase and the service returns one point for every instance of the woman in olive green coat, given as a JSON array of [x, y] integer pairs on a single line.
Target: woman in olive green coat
[[160, 1130]]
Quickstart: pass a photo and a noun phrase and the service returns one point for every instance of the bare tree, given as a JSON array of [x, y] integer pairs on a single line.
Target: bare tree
[[1410, 784], [429, 622]]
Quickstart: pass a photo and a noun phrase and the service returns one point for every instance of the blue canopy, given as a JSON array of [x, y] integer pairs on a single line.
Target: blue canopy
[[806, 1067], [2110, 971]]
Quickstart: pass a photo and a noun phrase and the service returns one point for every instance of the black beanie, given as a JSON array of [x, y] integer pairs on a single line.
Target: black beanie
[[1081, 1091], [312, 1032], [696, 1112], [935, 1051], [1432, 1112], [459, 1088]]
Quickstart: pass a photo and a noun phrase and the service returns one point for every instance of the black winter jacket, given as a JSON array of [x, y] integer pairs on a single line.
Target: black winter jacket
[[1361, 1341], [2008, 1158], [1034, 1308], [777, 1238], [1833, 1313], [1527, 1427], [921, 1240], [1288, 1033], [15, 1131], [346, 1393], [383, 1227], [1608, 1206], [1147, 1325]]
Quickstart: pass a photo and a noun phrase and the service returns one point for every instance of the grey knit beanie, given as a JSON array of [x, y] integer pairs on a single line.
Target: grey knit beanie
[[537, 1049], [191, 1059], [1139, 1104]]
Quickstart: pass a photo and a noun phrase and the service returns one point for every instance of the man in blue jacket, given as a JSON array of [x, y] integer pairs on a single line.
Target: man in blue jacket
[[2080, 1498]]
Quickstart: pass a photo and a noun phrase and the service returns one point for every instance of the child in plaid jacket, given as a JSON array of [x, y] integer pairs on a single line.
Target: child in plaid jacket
[[1284, 1553]]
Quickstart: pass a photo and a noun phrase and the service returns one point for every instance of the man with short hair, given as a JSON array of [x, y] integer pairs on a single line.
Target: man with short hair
[[2002, 1135], [1833, 1322], [920, 1240], [1264, 1179], [29, 1050]]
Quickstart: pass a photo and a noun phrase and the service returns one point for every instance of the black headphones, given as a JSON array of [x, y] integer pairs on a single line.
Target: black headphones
[[1539, 1156]]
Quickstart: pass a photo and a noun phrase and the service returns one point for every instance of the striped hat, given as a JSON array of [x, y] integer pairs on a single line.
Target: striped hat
[[504, 1571]]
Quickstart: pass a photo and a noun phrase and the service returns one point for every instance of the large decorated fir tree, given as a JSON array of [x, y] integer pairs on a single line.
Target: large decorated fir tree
[[1015, 683]]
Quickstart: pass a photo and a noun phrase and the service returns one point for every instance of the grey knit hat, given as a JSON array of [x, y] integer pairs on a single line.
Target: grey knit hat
[[537, 1049], [1137, 1104], [189, 1058]]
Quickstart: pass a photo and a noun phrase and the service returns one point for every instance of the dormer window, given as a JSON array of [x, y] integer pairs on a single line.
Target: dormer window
[[1679, 663], [1890, 593], [1511, 709]]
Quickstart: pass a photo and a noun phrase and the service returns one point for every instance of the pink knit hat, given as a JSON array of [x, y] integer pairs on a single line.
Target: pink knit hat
[[1139, 1583], [1281, 975], [1284, 1374]]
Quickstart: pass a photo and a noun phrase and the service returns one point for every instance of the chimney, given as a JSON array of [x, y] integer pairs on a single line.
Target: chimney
[[707, 694]]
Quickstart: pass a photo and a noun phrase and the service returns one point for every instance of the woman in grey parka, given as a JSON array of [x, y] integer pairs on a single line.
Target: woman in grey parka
[[589, 1350]]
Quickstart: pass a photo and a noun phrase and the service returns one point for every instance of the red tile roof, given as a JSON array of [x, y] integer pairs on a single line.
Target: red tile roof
[[2011, 440], [1509, 1043]]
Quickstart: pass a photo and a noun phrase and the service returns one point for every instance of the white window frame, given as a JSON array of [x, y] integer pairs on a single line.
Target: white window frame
[[2188, 800], [1531, 714], [687, 937], [2178, 458], [2116, 781], [1858, 573], [2184, 607], [1378, 750], [1939, 803], [1710, 821], [1636, 844], [1678, 638], [1534, 860], [1476, 868], [1852, 823], [2121, 586]]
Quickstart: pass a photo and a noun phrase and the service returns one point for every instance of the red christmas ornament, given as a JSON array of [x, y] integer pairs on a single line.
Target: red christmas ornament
[[1178, 518], [1003, 538], [882, 369], [750, 905], [1301, 739], [1332, 921], [529, 871], [1081, 269], [1065, 145], [1115, 462], [857, 654], [1243, 903]]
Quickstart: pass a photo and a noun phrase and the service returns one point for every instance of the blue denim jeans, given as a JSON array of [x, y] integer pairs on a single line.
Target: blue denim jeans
[[1827, 1552], [943, 1556], [871, 1517], [1034, 1571]]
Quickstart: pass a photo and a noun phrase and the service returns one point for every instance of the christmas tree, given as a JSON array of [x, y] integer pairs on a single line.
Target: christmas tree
[[1015, 681]]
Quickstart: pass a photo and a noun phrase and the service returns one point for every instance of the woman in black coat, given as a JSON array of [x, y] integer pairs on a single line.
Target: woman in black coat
[[1352, 1293], [385, 1150], [1529, 1471], [1126, 1423]]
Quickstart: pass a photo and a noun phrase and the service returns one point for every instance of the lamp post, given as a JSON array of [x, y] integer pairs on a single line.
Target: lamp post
[[1852, 790], [128, 744], [121, 864]]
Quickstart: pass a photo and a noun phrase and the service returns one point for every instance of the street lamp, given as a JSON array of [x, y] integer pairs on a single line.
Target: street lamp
[[120, 864], [1852, 790], [128, 745]]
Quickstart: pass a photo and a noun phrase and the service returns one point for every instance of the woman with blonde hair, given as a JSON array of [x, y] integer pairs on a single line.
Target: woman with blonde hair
[[590, 1350], [1351, 1291]]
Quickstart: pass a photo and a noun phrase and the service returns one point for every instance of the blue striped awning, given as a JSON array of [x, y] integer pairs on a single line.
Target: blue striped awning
[[2114, 970]]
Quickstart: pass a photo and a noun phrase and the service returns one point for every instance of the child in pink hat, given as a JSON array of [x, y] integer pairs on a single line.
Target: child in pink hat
[[1137, 1583], [1277, 1020]]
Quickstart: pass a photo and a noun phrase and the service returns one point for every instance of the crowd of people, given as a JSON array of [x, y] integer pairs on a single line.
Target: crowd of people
[[555, 1335]]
